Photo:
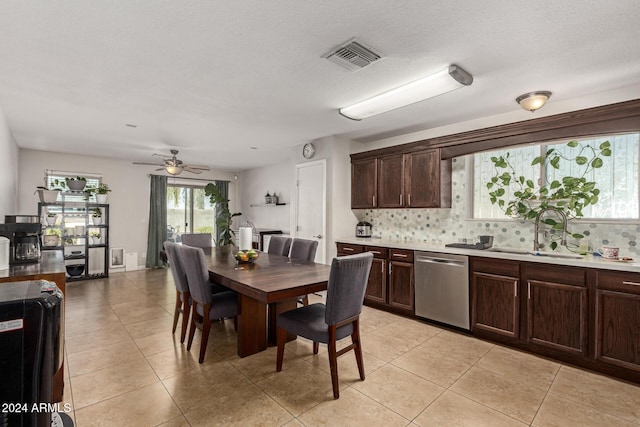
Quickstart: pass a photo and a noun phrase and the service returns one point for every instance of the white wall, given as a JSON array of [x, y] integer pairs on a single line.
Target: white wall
[[8, 170], [128, 200]]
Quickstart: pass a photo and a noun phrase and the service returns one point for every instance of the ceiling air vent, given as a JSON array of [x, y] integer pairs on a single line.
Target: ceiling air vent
[[353, 56]]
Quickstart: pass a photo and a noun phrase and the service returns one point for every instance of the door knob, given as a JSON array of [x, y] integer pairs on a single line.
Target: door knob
[[319, 236]]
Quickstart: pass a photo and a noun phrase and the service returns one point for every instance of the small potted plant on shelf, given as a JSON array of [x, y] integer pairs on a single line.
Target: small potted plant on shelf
[[96, 216], [95, 237], [76, 184], [49, 192], [51, 218], [100, 191]]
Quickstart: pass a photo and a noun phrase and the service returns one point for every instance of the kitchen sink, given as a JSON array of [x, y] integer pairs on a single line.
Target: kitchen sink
[[534, 253]]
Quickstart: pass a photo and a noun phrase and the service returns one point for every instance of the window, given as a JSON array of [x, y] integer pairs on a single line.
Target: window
[[188, 211], [55, 177], [617, 180]]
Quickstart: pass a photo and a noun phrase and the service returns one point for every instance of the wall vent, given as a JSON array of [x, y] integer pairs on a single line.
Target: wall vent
[[353, 55]]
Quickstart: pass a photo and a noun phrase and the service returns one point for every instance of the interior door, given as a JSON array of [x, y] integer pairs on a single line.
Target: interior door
[[310, 212]]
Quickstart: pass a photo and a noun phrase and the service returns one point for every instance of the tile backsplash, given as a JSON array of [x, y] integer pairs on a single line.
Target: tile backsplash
[[440, 226]]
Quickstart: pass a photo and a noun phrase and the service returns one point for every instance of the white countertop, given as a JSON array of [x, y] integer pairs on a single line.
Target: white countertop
[[589, 261]]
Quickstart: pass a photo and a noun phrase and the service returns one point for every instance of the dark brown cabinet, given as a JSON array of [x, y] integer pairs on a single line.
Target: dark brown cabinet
[[495, 297], [401, 280], [617, 335], [556, 307], [417, 179], [364, 183], [391, 282], [391, 182]]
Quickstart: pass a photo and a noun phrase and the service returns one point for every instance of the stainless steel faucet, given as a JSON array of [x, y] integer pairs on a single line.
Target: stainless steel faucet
[[563, 242]]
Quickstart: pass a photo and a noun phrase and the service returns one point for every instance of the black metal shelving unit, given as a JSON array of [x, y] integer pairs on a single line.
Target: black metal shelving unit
[[75, 225]]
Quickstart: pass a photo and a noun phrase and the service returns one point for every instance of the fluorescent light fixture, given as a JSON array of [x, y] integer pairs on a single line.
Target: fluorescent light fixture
[[436, 84]]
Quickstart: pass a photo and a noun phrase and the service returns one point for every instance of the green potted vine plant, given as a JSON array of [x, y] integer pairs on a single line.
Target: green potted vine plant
[[76, 184], [95, 237], [96, 216], [570, 195], [101, 192], [224, 217], [49, 192]]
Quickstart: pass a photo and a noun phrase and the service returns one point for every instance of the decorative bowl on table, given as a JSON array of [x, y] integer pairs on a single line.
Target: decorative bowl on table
[[244, 257]]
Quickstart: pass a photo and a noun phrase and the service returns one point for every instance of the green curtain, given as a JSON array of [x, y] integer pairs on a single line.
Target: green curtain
[[157, 220]]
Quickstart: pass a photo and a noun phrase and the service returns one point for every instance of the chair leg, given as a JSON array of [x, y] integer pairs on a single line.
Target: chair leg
[[333, 361], [281, 338], [357, 349], [186, 311], [316, 345], [206, 328], [192, 329], [176, 312]]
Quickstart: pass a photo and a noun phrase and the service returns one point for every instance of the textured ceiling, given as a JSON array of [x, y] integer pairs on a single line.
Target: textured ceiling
[[215, 78]]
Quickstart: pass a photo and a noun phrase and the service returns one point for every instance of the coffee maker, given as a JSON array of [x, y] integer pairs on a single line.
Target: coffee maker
[[23, 232]]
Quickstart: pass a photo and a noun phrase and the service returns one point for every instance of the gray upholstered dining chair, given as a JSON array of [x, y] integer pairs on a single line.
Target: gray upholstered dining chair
[[183, 298], [279, 245], [336, 320], [303, 249], [197, 240], [205, 306]]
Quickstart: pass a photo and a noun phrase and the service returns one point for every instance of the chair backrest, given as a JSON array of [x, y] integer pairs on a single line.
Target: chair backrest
[[176, 267], [197, 240], [347, 285], [195, 266], [303, 249], [279, 245]]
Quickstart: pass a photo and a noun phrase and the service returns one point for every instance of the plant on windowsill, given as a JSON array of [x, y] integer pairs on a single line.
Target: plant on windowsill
[[224, 217], [101, 192], [49, 192], [569, 195], [76, 184]]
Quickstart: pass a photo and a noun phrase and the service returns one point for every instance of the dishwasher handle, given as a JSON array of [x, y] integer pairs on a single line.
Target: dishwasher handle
[[443, 261]]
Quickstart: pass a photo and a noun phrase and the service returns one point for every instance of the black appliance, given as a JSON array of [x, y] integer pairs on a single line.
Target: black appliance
[[31, 349], [25, 245], [363, 229]]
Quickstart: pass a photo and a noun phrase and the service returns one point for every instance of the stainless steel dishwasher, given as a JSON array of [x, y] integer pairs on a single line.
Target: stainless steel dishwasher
[[442, 288]]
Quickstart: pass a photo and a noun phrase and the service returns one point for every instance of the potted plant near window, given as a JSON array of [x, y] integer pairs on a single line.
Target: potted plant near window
[[49, 192], [101, 192], [76, 184], [51, 218], [569, 195], [96, 216], [224, 217], [95, 237]]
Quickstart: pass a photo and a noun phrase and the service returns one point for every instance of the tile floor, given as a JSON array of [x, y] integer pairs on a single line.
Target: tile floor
[[125, 368]]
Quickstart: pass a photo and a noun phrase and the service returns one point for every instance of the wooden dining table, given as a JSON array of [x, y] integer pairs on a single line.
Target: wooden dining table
[[266, 287]]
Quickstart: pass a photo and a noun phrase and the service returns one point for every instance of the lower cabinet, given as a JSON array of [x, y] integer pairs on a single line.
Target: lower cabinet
[[617, 337], [557, 311], [391, 280], [494, 290]]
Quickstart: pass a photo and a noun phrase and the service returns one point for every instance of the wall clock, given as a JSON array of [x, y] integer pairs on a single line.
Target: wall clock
[[308, 151]]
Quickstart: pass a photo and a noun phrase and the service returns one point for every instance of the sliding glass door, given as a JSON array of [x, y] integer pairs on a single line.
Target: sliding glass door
[[188, 211]]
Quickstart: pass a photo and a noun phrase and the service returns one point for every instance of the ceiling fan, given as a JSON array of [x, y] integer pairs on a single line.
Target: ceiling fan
[[173, 166]]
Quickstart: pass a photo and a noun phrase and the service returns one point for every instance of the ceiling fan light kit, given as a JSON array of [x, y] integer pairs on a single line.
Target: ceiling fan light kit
[[451, 78], [533, 101], [173, 166]]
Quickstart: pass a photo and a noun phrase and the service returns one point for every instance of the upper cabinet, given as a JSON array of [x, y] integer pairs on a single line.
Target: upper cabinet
[[364, 183], [418, 179]]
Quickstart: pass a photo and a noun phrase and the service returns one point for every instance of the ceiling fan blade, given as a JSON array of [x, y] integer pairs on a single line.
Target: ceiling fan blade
[[148, 164], [201, 167], [190, 169]]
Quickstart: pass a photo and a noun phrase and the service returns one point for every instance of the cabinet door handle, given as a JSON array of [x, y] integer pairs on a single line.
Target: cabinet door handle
[[400, 255], [515, 289], [409, 199], [631, 283], [382, 268], [348, 249], [400, 199], [375, 252], [528, 290], [373, 200], [389, 267]]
